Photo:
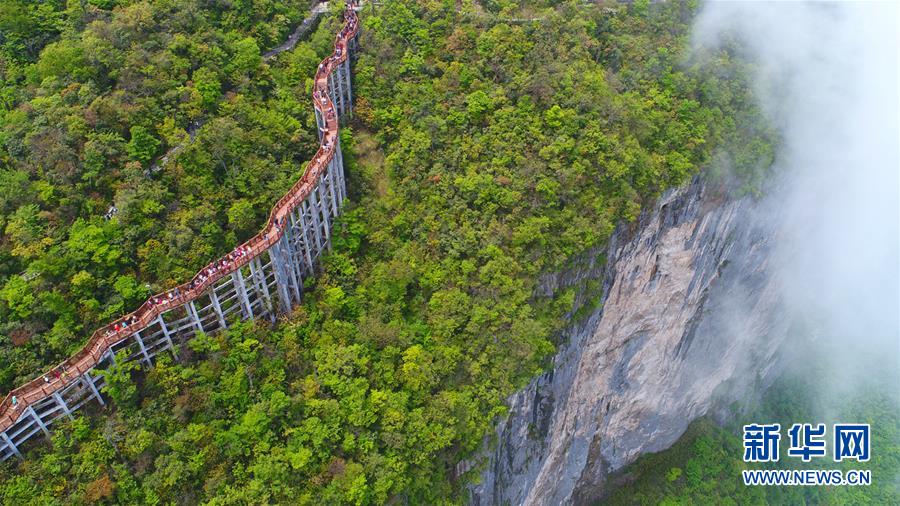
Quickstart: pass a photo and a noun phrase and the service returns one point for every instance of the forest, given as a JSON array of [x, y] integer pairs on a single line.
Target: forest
[[492, 142], [86, 117]]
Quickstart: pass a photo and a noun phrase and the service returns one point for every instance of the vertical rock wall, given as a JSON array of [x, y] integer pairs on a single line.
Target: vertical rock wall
[[690, 321]]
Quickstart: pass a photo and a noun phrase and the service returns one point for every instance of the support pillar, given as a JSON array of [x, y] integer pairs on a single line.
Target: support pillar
[[331, 189], [137, 337], [257, 273], [342, 185], [313, 208], [237, 278], [321, 206], [62, 404], [287, 241], [293, 244], [165, 331], [298, 273], [37, 419], [281, 280], [290, 266], [90, 383], [331, 92], [334, 86], [195, 318], [336, 83], [303, 238], [320, 123], [345, 94], [12, 446], [214, 297], [347, 76]]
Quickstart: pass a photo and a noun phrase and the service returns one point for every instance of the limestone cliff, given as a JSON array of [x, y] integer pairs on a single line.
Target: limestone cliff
[[690, 321]]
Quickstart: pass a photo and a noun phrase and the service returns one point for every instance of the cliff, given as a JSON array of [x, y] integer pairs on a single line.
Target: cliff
[[690, 322]]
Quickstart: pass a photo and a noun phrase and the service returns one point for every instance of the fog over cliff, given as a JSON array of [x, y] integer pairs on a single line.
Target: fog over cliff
[[707, 299], [828, 79]]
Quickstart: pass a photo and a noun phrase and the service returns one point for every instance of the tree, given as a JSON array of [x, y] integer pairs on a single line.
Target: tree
[[477, 104], [143, 144], [119, 385], [207, 83], [242, 216], [245, 58], [25, 229]]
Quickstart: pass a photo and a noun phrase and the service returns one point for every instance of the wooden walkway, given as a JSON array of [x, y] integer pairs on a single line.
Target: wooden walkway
[[259, 279]]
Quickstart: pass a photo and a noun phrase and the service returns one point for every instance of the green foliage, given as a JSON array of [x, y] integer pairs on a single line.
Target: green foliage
[[18, 296], [27, 26], [245, 58], [143, 144], [119, 384], [242, 216], [486, 153], [207, 83], [93, 95]]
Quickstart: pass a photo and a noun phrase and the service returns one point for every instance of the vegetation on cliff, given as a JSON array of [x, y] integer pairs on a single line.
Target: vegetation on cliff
[[491, 144], [704, 466], [93, 93]]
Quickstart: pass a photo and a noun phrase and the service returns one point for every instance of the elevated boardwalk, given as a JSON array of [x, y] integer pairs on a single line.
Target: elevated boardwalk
[[259, 279]]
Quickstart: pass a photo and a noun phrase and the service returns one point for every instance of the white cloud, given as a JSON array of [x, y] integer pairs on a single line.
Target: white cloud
[[828, 79]]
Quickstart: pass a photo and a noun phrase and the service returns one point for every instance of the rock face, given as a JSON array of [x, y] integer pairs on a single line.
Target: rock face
[[690, 322]]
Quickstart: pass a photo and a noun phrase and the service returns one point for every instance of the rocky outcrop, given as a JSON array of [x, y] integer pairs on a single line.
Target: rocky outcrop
[[690, 321]]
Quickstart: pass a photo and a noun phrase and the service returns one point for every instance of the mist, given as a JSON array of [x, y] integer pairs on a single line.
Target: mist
[[827, 79]]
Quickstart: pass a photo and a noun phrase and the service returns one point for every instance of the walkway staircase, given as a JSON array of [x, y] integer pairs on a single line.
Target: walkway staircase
[[259, 279]]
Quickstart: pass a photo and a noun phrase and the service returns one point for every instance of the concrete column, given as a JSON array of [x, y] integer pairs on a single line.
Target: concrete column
[[281, 280], [238, 279], [343, 89], [325, 201], [320, 123], [331, 184], [214, 297], [195, 317], [313, 207], [283, 265], [298, 272], [301, 227], [288, 241], [342, 185], [257, 273], [11, 445], [324, 210], [336, 83], [37, 419], [165, 331], [62, 404], [90, 383], [290, 266], [137, 338], [297, 246], [331, 91], [335, 89], [347, 76]]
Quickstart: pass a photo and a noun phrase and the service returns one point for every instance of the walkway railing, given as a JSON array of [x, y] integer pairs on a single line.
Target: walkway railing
[[260, 278]]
